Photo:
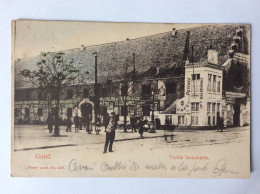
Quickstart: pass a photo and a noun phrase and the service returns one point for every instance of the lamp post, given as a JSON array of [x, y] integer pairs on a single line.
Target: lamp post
[[96, 101], [153, 125]]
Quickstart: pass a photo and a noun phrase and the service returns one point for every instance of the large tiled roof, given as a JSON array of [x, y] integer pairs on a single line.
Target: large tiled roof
[[162, 49]]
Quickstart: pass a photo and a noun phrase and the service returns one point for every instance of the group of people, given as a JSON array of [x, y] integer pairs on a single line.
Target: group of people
[[79, 122], [138, 123], [110, 123]]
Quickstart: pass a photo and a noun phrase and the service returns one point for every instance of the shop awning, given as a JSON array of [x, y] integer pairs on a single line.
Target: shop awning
[[227, 64], [171, 109]]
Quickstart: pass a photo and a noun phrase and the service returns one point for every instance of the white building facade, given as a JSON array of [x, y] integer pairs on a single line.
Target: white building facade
[[202, 102]]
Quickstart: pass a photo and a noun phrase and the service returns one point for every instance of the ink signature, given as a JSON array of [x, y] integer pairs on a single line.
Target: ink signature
[[221, 168]]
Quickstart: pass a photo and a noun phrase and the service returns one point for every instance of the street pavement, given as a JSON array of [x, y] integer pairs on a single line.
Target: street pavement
[[28, 137], [73, 154], [31, 137]]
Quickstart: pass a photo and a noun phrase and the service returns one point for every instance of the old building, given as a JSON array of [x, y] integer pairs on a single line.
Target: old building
[[162, 86]]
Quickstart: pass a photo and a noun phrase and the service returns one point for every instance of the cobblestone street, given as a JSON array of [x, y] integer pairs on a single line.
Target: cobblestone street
[[30, 137]]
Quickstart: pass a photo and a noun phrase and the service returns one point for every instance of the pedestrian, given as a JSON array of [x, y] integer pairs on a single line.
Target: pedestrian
[[76, 123], [221, 124], [132, 123], [110, 133], [69, 123], [88, 125], [141, 127], [98, 125], [81, 122], [218, 123], [158, 123], [106, 120]]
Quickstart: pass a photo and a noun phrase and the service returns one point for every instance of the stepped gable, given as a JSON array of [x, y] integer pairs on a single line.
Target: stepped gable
[[160, 49]]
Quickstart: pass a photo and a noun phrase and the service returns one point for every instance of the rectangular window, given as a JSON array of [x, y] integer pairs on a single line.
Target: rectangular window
[[208, 107], [194, 106], [213, 108], [209, 118], [195, 85], [219, 84], [181, 120], [168, 120], [214, 83], [195, 76], [209, 82], [194, 120], [170, 88], [40, 112], [85, 93], [69, 94], [69, 112]]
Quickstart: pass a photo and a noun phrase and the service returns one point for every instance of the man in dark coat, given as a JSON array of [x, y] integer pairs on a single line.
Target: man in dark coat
[[132, 123], [106, 120], [110, 133], [88, 125], [76, 123], [68, 124], [141, 127], [221, 124]]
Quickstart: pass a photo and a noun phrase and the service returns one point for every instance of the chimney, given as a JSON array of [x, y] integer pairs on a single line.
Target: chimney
[[174, 32], [239, 32], [212, 56], [231, 54], [82, 48], [234, 46]]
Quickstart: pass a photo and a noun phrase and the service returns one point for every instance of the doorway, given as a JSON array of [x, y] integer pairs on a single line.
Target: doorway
[[236, 116], [86, 110]]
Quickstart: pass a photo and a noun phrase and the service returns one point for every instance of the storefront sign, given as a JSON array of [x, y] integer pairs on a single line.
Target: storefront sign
[[44, 104], [121, 98], [119, 101]]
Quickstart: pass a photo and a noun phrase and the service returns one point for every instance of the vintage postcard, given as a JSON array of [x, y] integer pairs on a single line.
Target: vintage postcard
[[98, 99]]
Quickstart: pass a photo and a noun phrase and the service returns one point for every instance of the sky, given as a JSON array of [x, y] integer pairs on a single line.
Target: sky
[[33, 37]]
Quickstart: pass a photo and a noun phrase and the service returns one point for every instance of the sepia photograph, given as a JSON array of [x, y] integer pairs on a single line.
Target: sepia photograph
[[100, 99]]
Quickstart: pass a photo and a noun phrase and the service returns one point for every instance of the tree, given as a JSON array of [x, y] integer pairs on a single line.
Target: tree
[[53, 74], [126, 76]]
